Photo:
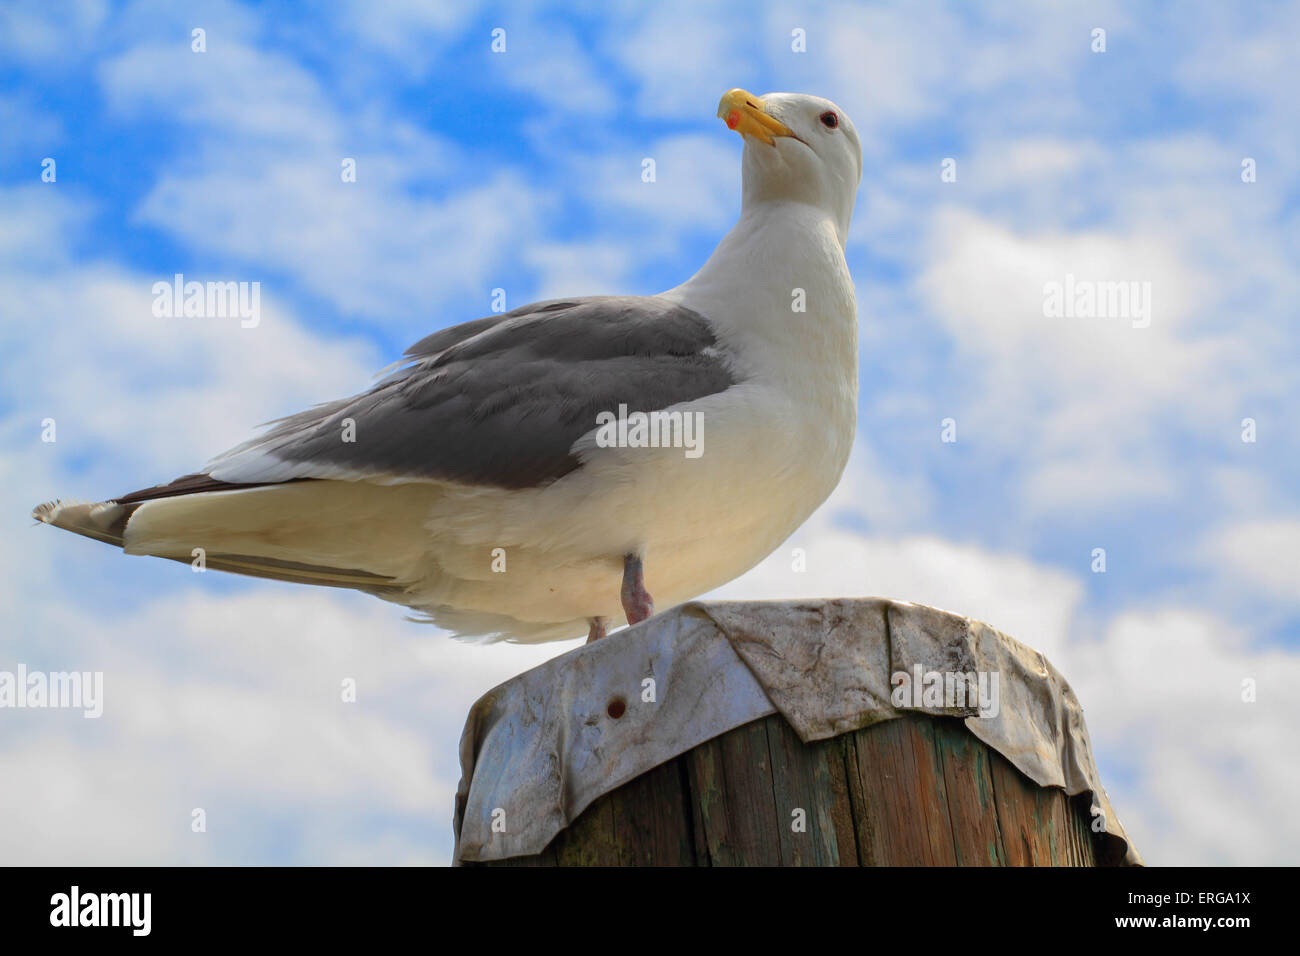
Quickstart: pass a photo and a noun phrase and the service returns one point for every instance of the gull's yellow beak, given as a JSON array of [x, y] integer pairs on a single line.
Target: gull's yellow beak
[[744, 113]]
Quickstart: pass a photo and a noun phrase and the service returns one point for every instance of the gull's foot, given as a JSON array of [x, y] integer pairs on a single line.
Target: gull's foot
[[597, 629]]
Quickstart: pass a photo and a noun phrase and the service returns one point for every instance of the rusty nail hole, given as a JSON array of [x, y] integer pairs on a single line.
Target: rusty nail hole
[[616, 708]]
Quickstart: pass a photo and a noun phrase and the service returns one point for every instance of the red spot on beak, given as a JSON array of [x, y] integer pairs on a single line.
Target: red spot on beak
[[733, 119]]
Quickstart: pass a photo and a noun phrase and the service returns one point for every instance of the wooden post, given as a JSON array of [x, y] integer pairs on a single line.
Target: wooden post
[[914, 791], [840, 732]]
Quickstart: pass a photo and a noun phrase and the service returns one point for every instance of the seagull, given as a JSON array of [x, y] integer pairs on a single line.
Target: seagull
[[534, 473]]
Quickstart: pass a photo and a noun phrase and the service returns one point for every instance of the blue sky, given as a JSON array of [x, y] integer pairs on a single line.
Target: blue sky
[[522, 171]]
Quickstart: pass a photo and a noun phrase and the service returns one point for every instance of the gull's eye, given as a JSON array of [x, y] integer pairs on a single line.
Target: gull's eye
[[829, 119]]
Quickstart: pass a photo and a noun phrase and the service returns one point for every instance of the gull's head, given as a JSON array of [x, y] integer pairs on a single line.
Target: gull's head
[[797, 147]]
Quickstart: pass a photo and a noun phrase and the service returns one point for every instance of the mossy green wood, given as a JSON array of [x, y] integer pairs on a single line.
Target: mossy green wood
[[915, 791]]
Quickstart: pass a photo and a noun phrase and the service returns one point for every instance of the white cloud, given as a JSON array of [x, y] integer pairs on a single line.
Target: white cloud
[[154, 397], [1080, 399], [579, 268], [682, 57], [1033, 603], [1209, 777], [50, 37], [410, 34], [546, 63], [638, 224], [263, 187], [233, 704], [1260, 556], [696, 184], [234, 92], [394, 260]]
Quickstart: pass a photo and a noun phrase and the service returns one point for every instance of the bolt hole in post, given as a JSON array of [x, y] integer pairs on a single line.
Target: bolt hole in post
[[616, 707]]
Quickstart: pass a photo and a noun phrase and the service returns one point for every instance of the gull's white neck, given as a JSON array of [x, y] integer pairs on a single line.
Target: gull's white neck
[[778, 295], [778, 291]]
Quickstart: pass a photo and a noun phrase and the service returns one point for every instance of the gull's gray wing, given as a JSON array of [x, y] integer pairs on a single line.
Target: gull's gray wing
[[497, 401]]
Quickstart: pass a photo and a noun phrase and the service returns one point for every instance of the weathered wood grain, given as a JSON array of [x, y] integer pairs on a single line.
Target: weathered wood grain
[[903, 797], [914, 791], [1040, 826], [972, 807], [813, 813], [652, 822]]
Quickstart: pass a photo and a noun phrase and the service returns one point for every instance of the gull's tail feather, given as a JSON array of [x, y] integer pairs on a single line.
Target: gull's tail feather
[[280, 532], [104, 521]]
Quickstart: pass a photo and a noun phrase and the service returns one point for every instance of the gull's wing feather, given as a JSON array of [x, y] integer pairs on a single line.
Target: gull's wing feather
[[498, 401]]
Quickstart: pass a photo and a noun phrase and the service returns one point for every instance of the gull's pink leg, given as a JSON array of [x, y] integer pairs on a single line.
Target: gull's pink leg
[[597, 629], [637, 602]]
